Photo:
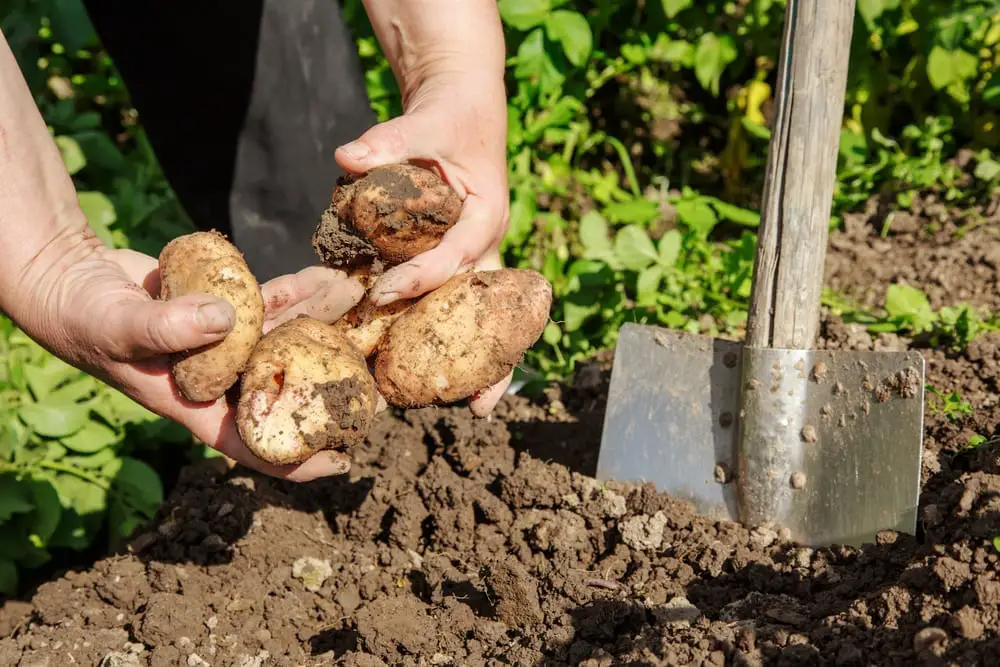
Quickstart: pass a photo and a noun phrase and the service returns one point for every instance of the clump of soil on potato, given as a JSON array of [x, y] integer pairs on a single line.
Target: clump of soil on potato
[[385, 217], [339, 246], [462, 541]]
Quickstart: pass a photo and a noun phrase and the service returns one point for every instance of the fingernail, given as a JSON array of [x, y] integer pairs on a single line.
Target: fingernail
[[215, 317], [385, 298], [357, 150]]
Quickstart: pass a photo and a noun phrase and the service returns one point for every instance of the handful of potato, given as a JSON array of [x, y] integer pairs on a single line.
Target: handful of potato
[[306, 385]]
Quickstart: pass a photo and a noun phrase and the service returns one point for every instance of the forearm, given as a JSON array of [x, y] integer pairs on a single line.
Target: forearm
[[426, 38], [40, 220]]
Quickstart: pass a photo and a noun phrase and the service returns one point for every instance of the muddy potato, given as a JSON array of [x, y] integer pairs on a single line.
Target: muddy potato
[[388, 215], [207, 263], [306, 389], [366, 324], [462, 338]]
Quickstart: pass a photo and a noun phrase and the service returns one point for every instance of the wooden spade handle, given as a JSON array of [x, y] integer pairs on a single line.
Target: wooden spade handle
[[801, 173]]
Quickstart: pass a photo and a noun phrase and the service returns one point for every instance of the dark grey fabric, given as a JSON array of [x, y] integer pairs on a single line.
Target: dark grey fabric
[[244, 102]]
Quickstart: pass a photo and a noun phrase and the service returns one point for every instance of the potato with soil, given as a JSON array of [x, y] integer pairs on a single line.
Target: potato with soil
[[306, 389], [462, 338], [385, 217], [207, 263], [366, 324]]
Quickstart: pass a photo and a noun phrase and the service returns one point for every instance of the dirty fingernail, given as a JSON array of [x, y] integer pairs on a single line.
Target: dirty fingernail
[[215, 317], [357, 150]]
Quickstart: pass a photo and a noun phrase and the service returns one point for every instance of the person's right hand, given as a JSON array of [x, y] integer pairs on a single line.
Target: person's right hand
[[94, 307]]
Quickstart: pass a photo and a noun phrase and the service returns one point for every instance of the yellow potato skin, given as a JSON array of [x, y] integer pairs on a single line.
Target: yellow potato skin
[[207, 263], [306, 389], [462, 338], [366, 324]]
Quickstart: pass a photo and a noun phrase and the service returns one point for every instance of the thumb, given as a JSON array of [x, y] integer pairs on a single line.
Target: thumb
[[401, 139], [140, 328]]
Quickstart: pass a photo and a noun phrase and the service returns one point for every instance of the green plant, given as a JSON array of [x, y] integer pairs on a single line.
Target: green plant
[[951, 405]]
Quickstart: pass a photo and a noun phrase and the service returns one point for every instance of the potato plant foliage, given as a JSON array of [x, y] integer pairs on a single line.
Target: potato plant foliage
[[636, 148]]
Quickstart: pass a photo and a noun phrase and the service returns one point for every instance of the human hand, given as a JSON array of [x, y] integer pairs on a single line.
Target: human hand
[[456, 125], [100, 314]]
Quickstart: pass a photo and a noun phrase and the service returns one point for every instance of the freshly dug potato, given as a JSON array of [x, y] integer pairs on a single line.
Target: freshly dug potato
[[366, 324], [387, 216], [462, 338], [206, 262], [306, 389]]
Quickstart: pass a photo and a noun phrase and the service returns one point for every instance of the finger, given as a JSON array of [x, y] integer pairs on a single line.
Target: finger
[[328, 305], [473, 236], [284, 291], [224, 437], [414, 137], [135, 328], [482, 404]]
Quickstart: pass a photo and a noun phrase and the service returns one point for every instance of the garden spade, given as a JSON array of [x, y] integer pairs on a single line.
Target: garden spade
[[823, 446]]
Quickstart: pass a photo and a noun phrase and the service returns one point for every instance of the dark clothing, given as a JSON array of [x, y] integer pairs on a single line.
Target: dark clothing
[[244, 103]]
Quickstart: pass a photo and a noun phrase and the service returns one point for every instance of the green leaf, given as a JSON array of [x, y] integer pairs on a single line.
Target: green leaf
[[996, 543], [575, 314], [92, 461], [678, 52], [945, 68], [648, 285], [870, 10], [93, 437], [100, 213], [535, 65], [670, 248], [72, 155], [138, 481], [47, 509], [52, 419], [9, 582], [697, 215], [987, 170], [674, 7], [552, 334], [594, 236], [80, 495], [634, 248], [909, 304], [711, 57], [904, 300], [572, 31], [42, 379], [524, 14], [740, 216], [637, 211], [13, 498]]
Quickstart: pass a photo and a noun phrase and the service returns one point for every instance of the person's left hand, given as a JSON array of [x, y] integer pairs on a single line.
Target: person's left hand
[[455, 124]]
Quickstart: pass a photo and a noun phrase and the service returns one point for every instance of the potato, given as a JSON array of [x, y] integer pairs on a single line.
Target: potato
[[387, 216], [306, 389], [366, 324], [462, 338], [206, 262]]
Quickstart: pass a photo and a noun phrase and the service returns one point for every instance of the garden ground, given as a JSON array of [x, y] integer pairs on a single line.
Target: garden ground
[[466, 542]]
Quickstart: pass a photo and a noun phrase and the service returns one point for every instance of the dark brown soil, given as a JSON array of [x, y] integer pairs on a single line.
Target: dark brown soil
[[462, 542]]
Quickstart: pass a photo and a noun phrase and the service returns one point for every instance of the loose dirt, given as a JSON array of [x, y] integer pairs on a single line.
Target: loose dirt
[[456, 541]]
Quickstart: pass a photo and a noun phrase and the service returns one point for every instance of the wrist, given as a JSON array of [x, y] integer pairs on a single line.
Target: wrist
[[44, 256]]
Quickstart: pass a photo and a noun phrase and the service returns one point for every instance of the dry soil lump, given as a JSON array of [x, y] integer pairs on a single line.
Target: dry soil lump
[[207, 263]]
